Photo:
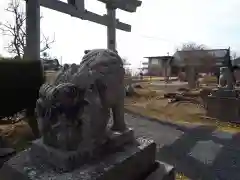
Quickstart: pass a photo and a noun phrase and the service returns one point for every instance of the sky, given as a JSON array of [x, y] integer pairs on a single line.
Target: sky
[[158, 28]]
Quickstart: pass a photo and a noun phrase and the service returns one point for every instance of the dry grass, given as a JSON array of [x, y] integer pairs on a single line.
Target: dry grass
[[181, 176], [17, 135], [209, 80], [151, 103]]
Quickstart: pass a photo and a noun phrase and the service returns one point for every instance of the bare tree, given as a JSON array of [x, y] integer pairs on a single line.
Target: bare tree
[[197, 55], [192, 46], [17, 32], [196, 60]]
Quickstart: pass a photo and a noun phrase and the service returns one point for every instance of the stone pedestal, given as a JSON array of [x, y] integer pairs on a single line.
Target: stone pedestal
[[130, 162], [224, 92], [163, 171], [223, 104], [5, 154], [64, 161]]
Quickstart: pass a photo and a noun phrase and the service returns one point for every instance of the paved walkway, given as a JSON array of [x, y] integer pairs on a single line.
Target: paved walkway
[[200, 153]]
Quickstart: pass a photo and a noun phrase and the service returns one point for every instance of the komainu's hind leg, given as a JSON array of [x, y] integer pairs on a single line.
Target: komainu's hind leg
[[118, 117]]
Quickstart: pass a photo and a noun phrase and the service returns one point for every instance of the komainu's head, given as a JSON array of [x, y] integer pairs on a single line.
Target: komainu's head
[[59, 113]]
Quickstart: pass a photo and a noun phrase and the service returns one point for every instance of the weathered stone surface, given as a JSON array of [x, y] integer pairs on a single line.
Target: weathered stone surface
[[69, 160], [224, 92], [225, 78], [73, 111], [163, 171], [5, 154], [128, 163], [6, 151], [223, 108], [78, 142], [223, 103]]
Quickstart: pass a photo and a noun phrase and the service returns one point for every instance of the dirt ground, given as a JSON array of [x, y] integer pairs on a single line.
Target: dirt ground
[[17, 135], [149, 101]]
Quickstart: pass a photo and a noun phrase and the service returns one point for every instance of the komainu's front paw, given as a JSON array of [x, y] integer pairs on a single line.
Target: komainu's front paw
[[119, 128], [87, 150]]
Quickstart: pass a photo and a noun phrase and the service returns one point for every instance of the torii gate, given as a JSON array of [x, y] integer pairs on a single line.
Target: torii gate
[[76, 9]]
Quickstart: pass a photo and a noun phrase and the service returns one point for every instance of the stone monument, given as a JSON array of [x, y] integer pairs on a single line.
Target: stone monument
[[225, 79], [223, 103], [73, 115], [225, 85]]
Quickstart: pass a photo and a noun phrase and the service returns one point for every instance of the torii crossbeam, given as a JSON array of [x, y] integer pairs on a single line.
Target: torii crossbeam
[[76, 9]]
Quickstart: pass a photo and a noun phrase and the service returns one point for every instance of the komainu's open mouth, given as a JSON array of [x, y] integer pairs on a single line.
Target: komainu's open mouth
[[59, 110]]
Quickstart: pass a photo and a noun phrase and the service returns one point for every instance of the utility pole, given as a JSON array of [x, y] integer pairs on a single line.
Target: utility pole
[[61, 60]]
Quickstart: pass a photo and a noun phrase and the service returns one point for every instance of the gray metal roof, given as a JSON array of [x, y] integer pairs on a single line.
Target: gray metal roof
[[216, 53], [159, 57], [236, 62], [196, 56]]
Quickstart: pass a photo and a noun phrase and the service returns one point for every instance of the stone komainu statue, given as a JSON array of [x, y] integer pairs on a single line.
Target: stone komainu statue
[[225, 78], [73, 112]]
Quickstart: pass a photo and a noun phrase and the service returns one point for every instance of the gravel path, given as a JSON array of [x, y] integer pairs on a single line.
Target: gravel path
[[201, 153]]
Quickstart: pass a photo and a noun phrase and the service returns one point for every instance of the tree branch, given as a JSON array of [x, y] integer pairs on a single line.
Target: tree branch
[[46, 43], [17, 30]]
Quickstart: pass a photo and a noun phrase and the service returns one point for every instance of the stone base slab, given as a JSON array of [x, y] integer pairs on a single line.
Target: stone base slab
[[68, 160], [132, 162], [5, 154], [225, 92], [163, 171]]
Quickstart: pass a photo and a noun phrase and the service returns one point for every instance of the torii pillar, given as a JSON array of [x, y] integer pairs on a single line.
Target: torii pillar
[[32, 49]]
